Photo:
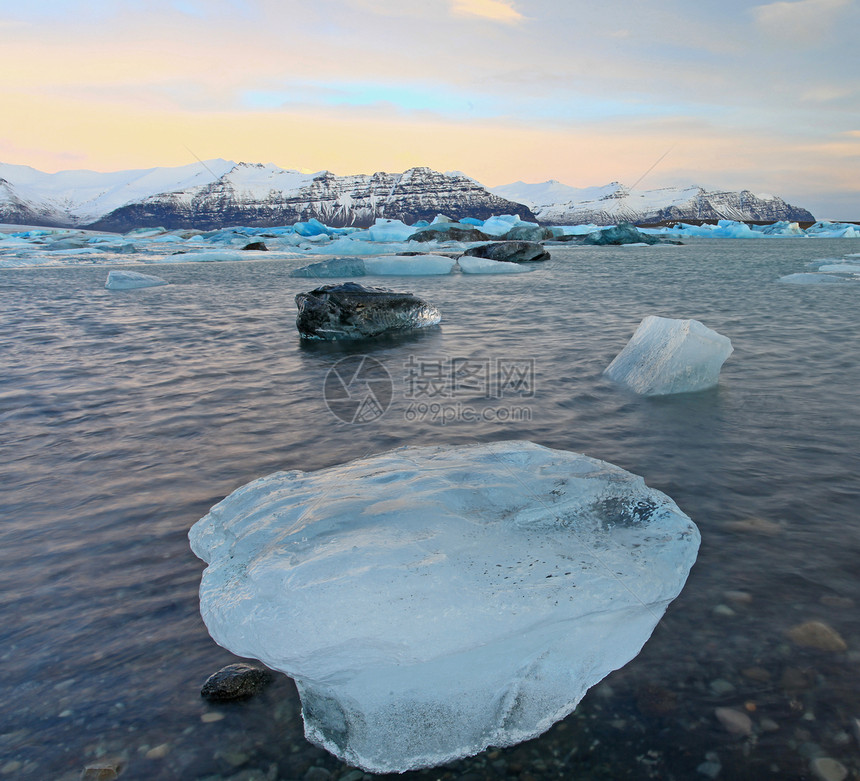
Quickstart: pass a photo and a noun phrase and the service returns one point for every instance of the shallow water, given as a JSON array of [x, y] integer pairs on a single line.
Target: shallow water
[[126, 414]]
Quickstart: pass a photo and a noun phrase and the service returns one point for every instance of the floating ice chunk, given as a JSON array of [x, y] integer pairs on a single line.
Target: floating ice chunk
[[670, 356], [390, 230], [470, 265], [840, 268], [432, 601], [129, 280], [811, 278], [409, 265], [328, 269]]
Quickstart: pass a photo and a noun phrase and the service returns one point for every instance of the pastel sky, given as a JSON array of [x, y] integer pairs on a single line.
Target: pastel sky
[[735, 94]]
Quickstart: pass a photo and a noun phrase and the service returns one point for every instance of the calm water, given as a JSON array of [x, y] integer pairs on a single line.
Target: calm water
[[125, 415]]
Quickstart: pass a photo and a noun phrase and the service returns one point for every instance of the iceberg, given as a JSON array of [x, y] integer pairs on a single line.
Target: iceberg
[[130, 280], [670, 356], [471, 265], [432, 601], [336, 267], [351, 311], [409, 265]]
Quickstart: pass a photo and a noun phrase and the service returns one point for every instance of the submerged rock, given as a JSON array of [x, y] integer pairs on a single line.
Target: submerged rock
[[432, 601], [510, 251], [352, 311], [670, 356]]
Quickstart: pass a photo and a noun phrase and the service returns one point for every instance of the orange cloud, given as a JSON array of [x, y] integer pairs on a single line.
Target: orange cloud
[[495, 10]]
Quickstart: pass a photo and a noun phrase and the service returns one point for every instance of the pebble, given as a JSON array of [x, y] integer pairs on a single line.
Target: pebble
[[817, 634], [724, 610], [738, 597], [158, 752], [208, 718], [758, 674], [353, 775], [736, 722], [709, 769], [235, 682], [317, 774], [102, 771], [827, 769], [755, 525], [11, 767], [834, 601], [721, 686]]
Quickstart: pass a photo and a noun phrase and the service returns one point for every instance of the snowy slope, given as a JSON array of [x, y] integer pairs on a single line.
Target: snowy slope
[[81, 197]]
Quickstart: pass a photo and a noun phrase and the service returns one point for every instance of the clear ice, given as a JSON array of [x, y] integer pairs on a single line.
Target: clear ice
[[432, 601], [670, 356]]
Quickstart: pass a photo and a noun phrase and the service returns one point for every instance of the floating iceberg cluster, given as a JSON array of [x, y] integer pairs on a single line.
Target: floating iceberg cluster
[[667, 356], [50, 246], [432, 601]]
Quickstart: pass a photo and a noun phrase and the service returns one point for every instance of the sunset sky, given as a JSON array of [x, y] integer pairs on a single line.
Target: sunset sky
[[733, 95]]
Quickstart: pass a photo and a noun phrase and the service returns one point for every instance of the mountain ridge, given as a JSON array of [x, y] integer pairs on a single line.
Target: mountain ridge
[[217, 193]]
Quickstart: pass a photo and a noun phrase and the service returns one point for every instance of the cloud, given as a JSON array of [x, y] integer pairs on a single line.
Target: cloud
[[803, 21], [495, 10]]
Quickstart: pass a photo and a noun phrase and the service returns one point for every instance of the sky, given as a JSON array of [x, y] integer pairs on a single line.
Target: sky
[[727, 95]]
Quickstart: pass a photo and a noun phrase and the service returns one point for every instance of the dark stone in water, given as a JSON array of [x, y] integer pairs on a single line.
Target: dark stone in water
[[510, 251], [257, 245], [352, 311], [235, 682]]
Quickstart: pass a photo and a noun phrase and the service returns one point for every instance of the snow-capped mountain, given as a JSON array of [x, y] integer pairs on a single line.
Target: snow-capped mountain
[[554, 203], [217, 193]]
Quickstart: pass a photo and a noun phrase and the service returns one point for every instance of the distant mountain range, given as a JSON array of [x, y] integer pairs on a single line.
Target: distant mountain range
[[554, 203], [219, 193]]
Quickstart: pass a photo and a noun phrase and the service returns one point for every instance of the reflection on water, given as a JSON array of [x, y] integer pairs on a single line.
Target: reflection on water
[[126, 415]]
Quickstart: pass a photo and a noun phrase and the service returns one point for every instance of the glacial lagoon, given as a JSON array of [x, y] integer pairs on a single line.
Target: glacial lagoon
[[127, 414]]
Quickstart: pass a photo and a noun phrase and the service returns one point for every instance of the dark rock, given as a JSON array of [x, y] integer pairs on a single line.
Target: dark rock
[[510, 251], [352, 311], [527, 233], [623, 233], [260, 246], [447, 231], [235, 682]]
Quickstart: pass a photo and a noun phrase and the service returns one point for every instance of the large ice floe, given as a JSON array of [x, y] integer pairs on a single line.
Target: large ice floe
[[667, 356], [432, 601]]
